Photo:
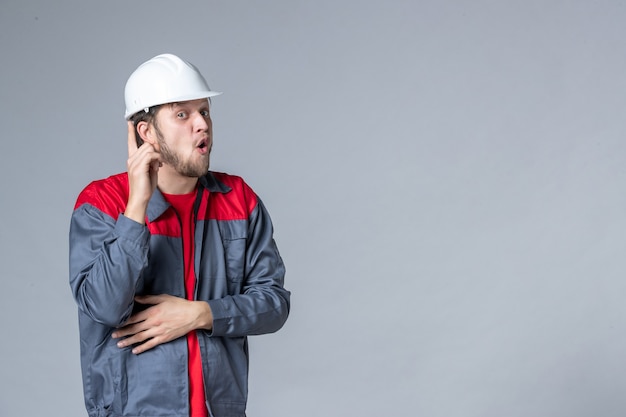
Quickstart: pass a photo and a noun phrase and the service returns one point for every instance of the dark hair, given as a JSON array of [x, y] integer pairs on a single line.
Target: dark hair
[[143, 116]]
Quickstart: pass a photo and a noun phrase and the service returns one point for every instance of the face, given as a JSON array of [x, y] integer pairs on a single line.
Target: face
[[184, 134]]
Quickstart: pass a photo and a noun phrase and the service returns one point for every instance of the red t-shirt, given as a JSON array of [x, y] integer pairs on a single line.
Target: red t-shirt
[[183, 204]]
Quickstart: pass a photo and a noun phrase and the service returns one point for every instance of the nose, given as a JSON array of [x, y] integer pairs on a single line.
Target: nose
[[202, 123]]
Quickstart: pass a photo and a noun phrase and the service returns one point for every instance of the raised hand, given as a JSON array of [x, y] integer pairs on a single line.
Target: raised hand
[[143, 167]]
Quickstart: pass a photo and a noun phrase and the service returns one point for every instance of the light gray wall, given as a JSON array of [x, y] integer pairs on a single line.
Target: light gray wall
[[446, 180]]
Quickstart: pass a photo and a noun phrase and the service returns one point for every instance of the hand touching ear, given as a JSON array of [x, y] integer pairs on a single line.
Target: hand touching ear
[[143, 167]]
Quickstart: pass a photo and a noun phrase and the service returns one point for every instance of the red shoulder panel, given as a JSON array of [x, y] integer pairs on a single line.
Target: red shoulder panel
[[237, 204], [108, 195]]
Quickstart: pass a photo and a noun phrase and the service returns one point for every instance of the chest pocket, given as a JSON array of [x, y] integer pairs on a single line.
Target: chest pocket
[[234, 235]]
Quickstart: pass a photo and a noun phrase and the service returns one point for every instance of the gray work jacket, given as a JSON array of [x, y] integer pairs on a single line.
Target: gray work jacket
[[239, 273]]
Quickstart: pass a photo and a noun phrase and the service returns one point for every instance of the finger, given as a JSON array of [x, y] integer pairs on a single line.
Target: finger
[[129, 329], [143, 340], [132, 143], [137, 324], [122, 332], [136, 339], [144, 157], [146, 346]]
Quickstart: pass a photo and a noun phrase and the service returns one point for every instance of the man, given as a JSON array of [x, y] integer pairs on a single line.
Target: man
[[172, 265]]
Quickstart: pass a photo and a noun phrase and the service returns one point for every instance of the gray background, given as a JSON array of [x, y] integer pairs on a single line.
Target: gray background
[[445, 179]]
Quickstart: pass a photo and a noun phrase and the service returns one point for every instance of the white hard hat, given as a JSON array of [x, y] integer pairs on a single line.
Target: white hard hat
[[164, 79]]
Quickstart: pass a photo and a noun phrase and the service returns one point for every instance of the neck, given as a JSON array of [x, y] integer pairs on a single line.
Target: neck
[[171, 182]]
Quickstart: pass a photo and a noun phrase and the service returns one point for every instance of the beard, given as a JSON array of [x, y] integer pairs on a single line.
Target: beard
[[186, 168]]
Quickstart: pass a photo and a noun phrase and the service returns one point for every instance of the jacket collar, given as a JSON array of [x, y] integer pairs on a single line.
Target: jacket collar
[[209, 182], [157, 204]]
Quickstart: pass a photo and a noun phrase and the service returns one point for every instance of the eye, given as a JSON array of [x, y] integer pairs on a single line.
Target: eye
[[204, 113], [181, 114]]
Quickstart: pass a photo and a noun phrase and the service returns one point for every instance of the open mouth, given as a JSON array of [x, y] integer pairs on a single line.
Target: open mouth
[[203, 147], [204, 143]]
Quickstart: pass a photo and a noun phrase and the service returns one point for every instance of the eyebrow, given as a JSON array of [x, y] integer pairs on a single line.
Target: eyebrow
[[180, 104]]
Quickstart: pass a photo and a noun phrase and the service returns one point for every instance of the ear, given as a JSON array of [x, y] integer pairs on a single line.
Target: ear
[[146, 132]]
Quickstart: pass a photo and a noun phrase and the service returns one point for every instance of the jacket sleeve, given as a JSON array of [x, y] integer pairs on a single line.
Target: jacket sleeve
[[264, 304], [106, 260]]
